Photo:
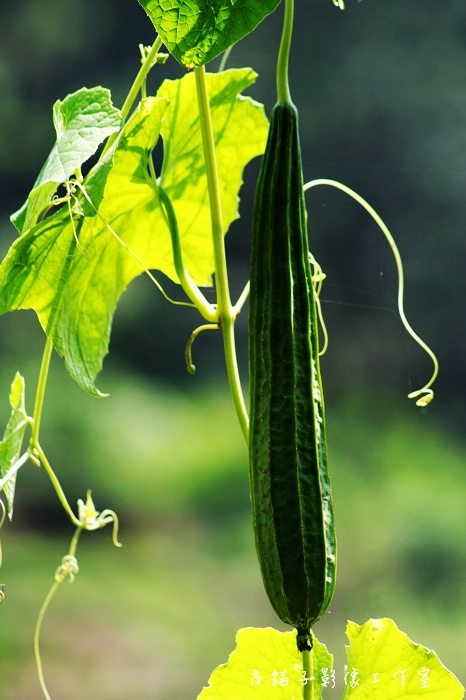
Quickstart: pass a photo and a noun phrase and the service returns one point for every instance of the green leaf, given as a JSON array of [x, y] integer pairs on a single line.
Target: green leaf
[[266, 664], [196, 31], [10, 446], [384, 663], [240, 128], [83, 120], [72, 269]]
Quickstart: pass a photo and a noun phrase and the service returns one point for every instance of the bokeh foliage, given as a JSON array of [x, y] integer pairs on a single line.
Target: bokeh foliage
[[381, 91]]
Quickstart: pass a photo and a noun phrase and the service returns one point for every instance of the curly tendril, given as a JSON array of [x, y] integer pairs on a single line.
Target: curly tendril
[[91, 519], [76, 211], [318, 276], [424, 395], [88, 519], [190, 366], [67, 570]]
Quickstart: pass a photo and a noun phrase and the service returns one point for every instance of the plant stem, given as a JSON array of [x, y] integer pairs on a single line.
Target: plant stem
[[190, 288], [308, 679], [74, 541], [242, 299], [226, 315], [56, 484], [42, 612], [37, 632], [141, 77], [228, 331], [283, 89], [40, 392], [135, 88], [35, 450]]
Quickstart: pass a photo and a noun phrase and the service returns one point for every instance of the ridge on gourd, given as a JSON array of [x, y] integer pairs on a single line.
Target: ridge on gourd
[[289, 483]]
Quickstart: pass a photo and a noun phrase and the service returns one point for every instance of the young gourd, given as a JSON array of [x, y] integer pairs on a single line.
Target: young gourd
[[289, 483]]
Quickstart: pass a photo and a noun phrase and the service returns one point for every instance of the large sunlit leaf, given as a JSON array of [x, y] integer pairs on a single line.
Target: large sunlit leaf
[[196, 31], [266, 665], [72, 269], [83, 120], [240, 128], [10, 446], [385, 664]]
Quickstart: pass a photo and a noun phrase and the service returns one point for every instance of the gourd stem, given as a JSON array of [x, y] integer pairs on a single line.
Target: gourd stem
[[226, 315], [308, 679], [283, 88]]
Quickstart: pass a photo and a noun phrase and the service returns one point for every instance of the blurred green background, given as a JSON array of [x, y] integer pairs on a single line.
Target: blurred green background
[[382, 97]]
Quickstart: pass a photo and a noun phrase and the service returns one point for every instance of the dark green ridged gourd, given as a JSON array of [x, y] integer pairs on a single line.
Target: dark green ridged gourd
[[290, 490]]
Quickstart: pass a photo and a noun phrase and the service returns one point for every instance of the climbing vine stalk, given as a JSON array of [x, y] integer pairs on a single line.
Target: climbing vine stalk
[[148, 62], [66, 571], [40, 393], [36, 452], [225, 310]]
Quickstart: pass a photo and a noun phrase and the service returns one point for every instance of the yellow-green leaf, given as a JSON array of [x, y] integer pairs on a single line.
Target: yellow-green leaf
[[82, 121], [384, 663], [266, 665], [240, 131], [71, 268], [10, 446]]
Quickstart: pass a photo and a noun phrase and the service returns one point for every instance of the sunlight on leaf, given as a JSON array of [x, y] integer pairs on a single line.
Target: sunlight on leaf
[[73, 271], [266, 664], [196, 31], [240, 128], [10, 446], [74, 288], [384, 663], [82, 121]]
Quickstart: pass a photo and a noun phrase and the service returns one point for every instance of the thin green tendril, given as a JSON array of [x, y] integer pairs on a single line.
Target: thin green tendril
[[65, 572], [225, 58], [424, 395], [89, 519], [122, 243], [318, 277], [190, 366]]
